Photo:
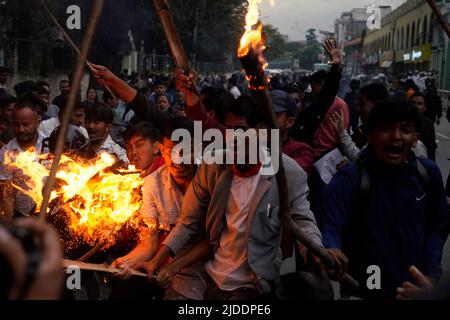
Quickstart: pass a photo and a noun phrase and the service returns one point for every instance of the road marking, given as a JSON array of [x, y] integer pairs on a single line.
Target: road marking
[[442, 136]]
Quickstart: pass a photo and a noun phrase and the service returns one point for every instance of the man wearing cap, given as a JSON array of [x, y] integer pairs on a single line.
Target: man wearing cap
[[285, 109]]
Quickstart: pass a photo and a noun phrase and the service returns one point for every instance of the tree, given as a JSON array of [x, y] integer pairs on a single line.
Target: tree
[[310, 54], [275, 43], [311, 38]]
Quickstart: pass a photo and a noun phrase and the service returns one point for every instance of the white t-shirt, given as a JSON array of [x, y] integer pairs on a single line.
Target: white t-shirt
[[23, 203], [46, 127], [229, 268]]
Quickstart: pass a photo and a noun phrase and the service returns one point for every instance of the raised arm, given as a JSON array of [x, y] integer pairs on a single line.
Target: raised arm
[[332, 81]]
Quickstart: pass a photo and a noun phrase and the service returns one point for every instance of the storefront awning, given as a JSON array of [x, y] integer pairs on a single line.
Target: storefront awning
[[386, 64]]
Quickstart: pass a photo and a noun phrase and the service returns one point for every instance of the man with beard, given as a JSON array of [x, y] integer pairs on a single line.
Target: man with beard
[[26, 122], [99, 121], [236, 209], [389, 209], [64, 88]]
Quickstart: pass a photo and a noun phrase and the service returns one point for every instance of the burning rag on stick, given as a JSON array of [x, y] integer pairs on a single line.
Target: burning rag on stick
[[251, 55], [94, 201]]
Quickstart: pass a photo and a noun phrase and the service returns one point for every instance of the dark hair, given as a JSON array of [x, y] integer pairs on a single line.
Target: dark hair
[[42, 84], [7, 100], [374, 92], [96, 95], [25, 87], [418, 94], [33, 101], [160, 82], [42, 90], [85, 105], [78, 105], [393, 110], [318, 76], [144, 129], [218, 100], [292, 88], [106, 96], [100, 112], [176, 123], [157, 96], [246, 106], [410, 84]]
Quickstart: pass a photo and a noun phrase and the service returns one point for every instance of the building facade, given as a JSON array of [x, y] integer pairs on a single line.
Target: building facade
[[349, 29], [403, 44]]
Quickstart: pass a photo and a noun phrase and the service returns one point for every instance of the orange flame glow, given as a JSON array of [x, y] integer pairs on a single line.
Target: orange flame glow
[[98, 202], [252, 37]]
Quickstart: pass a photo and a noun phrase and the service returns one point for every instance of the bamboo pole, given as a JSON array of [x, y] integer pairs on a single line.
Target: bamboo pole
[[261, 93], [87, 41], [98, 267], [440, 18]]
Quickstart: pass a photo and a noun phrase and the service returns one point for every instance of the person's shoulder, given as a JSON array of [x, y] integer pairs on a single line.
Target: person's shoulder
[[431, 167], [347, 178], [47, 122], [292, 169]]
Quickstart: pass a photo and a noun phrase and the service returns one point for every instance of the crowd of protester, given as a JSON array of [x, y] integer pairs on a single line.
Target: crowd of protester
[[362, 183]]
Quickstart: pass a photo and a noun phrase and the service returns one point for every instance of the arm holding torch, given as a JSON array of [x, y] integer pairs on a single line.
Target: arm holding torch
[[253, 64]]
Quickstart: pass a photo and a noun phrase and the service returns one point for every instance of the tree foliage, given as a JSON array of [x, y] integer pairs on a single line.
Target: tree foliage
[[310, 54], [218, 25], [276, 45]]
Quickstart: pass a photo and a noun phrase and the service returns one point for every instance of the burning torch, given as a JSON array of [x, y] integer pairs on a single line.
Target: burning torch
[[251, 55]]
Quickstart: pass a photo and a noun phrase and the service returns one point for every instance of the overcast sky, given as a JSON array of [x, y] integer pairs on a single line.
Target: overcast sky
[[294, 17]]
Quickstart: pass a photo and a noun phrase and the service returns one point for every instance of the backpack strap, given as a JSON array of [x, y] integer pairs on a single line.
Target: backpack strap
[[424, 176]]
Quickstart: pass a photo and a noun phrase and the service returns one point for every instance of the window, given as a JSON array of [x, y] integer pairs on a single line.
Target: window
[[419, 31], [424, 30], [402, 39], [413, 34], [407, 37], [397, 40]]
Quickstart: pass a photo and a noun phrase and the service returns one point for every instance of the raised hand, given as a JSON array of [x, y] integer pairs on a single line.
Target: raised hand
[[333, 51], [419, 290], [102, 75], [337, 121]]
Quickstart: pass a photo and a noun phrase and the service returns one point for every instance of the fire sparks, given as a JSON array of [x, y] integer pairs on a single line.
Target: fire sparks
[[98, 202]]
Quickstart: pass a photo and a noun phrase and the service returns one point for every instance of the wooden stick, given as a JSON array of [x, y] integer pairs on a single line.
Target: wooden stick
[[90, 253], [440, 18], [98, 267], [293, 230], [72, 44], [87, 41], [173, 38]]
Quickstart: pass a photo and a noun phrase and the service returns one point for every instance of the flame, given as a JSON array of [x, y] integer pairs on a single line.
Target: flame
[[98, 203], [253, 39]]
